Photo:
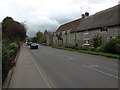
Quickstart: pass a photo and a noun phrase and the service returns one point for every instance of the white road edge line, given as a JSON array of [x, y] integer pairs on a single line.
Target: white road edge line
[[49, 86], [101, 72]]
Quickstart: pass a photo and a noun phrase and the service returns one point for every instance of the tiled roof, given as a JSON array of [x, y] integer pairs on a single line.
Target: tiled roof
[[73, 25]]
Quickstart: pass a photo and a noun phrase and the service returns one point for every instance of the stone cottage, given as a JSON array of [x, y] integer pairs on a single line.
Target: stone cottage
[[64, 35], [104, 23]]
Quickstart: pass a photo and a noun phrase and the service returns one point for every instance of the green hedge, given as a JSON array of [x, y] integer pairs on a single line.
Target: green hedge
[[5, 62]]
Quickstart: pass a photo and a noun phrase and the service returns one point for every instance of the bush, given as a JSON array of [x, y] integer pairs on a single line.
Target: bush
[[113, 46], [5, 63], [97, 41], [85, 48], [100, 49], [91, 49], [118, 45], [110, 46], [12, 46], [118, 48]]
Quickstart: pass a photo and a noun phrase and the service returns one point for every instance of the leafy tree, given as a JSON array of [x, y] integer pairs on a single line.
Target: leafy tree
[[16, 31], [40, 37], [5, 23], [34, 39], [45, 36]]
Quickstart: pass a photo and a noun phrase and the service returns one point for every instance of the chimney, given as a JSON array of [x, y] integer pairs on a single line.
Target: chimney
[[86, 14], [83, 16]]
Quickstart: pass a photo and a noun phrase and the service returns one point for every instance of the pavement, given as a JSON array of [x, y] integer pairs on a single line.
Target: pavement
[[54, 68], [26, 74]]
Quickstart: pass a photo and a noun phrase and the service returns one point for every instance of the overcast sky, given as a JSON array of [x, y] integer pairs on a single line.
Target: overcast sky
[[39, 15]]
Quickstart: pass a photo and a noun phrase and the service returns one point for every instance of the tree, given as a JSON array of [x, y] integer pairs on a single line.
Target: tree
[[34, 39], [45, 36], [40, 37], [5, 23], [16, 31]]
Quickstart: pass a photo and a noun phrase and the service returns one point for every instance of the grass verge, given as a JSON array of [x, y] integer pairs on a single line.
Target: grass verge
[[90, 52]]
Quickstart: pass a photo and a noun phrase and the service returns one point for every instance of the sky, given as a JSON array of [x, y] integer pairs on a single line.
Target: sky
[[40, 15]]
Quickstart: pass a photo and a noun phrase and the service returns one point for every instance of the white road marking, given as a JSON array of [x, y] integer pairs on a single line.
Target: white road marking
[[101, 71], [106, 68], [67, 57], [49, 86]]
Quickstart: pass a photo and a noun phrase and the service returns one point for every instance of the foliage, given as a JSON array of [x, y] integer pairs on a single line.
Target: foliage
[[13, 30], [45, 36], [91, 49], [41, 37], [97, 41], [100, 48], [113, 46], [13, 33], [16, 31], [34, 39], [5, 62], [13, 45], [85, 48], [90, 52], [5, 23]]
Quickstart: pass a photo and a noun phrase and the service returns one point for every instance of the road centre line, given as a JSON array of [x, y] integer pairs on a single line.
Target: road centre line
[[101, 71]]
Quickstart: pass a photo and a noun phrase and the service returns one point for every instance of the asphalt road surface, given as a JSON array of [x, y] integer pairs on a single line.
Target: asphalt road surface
[[66, 69]]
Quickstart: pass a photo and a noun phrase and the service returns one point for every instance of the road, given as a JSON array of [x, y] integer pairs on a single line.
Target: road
[[66, 69]]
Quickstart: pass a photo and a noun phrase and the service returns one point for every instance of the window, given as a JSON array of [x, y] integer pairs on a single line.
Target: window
[[86, 41], [86, 33]]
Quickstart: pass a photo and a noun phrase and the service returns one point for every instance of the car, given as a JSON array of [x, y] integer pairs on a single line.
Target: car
[[34, 46], [28, 43]]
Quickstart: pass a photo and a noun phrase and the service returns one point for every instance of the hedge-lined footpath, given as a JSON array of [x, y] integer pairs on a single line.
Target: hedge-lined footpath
[[116, 56]]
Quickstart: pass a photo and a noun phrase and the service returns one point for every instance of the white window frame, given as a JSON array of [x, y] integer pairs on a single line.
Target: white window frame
[[86, 41]]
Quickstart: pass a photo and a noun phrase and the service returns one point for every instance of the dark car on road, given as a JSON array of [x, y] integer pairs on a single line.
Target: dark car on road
[[34, 46]]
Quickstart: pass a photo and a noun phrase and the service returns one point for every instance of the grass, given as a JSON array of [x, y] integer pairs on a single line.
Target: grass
[[116, 56]]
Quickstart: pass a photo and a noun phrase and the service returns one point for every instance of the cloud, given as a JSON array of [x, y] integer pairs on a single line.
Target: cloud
[[49, 14]]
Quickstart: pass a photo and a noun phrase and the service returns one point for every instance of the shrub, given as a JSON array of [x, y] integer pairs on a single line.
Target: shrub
[[85, 48], [91, 49], [118, 48], [5, 62], [113, 46], [97, 41], [118, 45], [100, 49], [13, 45], [110, 46]]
